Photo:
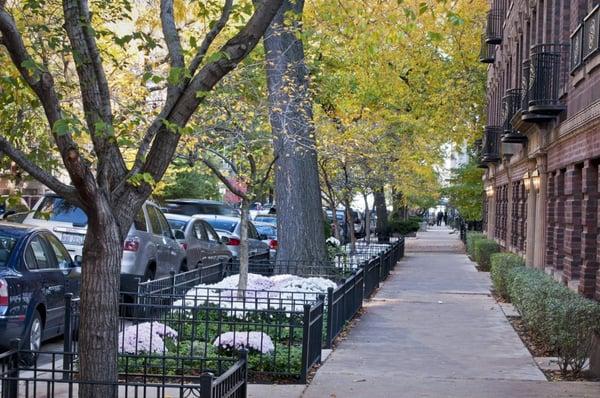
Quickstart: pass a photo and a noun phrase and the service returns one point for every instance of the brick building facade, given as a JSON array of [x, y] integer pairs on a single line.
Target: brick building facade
[[541, 143]]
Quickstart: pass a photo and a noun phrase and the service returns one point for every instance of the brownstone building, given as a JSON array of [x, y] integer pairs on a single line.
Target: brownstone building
[[541, 144]]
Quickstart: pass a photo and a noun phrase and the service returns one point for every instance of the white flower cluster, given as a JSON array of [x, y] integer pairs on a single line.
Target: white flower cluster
[[145, 337], [332, 241], [282, 292], [257, 341]]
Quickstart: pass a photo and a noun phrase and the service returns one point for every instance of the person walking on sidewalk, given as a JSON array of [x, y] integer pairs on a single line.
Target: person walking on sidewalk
[[440, 216]]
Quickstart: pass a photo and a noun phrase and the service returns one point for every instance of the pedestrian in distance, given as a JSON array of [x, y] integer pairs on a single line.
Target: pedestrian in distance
[[440, 216]]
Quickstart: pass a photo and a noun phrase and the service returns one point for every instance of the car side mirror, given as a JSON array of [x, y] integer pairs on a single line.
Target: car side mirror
[[178, 234], [77, 261], [225, 240], [74, 273]]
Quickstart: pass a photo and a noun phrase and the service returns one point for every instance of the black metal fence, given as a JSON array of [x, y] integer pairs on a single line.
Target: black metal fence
[[46, 377]]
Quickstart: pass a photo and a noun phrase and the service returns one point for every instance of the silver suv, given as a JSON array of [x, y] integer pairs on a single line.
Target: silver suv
[[149, 251]]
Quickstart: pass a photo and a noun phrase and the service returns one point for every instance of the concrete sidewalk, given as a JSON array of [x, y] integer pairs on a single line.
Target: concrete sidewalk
[[433, 330]]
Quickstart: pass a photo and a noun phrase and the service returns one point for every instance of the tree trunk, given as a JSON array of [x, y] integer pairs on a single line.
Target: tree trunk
[[336, 224], [350, 225], [243, 277], [101, 268], [381, 211], [367, 219], [300, 231]]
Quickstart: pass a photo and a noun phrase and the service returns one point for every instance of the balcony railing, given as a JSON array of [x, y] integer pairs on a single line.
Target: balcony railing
[[487, 52], [511, 104], [491, 144], [524, 114], [478, 145], [493, 31], [548, 78]]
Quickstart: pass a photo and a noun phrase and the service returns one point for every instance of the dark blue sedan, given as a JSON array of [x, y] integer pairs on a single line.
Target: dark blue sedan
[[36, 271]]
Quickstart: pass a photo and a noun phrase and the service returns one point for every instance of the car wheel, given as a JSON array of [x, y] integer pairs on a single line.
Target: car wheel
[[183, 267], [149, 274], [33, 339]]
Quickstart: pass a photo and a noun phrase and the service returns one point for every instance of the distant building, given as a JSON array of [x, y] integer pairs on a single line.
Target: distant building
[[541, 144]]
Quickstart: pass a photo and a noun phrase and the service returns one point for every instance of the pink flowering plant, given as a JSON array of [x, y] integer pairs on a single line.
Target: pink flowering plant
[[258, 342], [147, 337]]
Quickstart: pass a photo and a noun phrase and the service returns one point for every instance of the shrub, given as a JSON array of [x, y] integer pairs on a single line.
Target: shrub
[[404, 227], [483, 249], [472, 237], [501, 265], [558, 316]]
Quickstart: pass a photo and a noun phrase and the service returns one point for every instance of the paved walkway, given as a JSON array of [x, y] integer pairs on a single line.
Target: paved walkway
[[433, 330]]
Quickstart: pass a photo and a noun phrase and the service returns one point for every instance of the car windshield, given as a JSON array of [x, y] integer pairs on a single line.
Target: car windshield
[[339, 215], [223, 225], [190, 209], [266, 219], [267, 230], [7, 243], [54, 208], [178, 224]]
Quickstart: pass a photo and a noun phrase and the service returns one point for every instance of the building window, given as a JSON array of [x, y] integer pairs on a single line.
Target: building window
[[590, 33]]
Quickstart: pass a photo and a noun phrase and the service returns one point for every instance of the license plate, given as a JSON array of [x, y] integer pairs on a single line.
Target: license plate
[[72, 239]]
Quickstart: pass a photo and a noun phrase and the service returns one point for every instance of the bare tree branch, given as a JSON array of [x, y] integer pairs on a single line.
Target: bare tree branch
[[224, 179], [42, 84], [210, 37], [95, 93], [37, 172], [173, 42], [268, 173]]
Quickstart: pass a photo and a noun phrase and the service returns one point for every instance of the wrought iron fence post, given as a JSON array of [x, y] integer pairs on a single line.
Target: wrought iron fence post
[[68, 336], [328, 338], [305, 343], [206, 385], [244, 387], [10, 387], [172, 273]]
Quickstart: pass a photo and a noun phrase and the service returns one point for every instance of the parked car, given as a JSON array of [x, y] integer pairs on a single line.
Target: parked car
[[201, 243], [36, 271], [269, 233], [229, 228], [149, 250], [192, 207], [68, 222], [266, 218]]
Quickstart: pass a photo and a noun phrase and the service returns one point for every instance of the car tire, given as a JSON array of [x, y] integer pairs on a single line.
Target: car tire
[[150, 273], [33, 339]]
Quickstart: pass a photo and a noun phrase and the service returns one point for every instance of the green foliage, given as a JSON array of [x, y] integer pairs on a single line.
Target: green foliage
[[404, 227], [472, 237], [559, 317], [190, 183], [465, 191], [483, 249], [502, 264]]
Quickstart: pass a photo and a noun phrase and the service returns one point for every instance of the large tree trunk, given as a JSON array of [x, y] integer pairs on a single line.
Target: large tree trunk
[[381, 211], [101, 268], [367, 218], [337, 233], [244, 258], [299, 213]]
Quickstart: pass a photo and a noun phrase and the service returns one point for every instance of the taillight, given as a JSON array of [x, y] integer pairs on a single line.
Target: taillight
[[234, 242], [3, 293], [131, 244], [273, 244]]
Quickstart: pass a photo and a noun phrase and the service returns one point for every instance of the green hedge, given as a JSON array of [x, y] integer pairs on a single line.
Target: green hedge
[[561, 318], [472, 237], [404, 227], [501, 265], [483, 249]]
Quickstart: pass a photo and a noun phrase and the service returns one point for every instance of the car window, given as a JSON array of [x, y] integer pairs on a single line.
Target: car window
[[178, 224], [199, 231], [7, 244], [41, 252], [266, 230], [62, 255], [55, 208], [154, 222], [139, 222], [223, 225], [30, 260], [212, 235], [164, 225], [252, 234]]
